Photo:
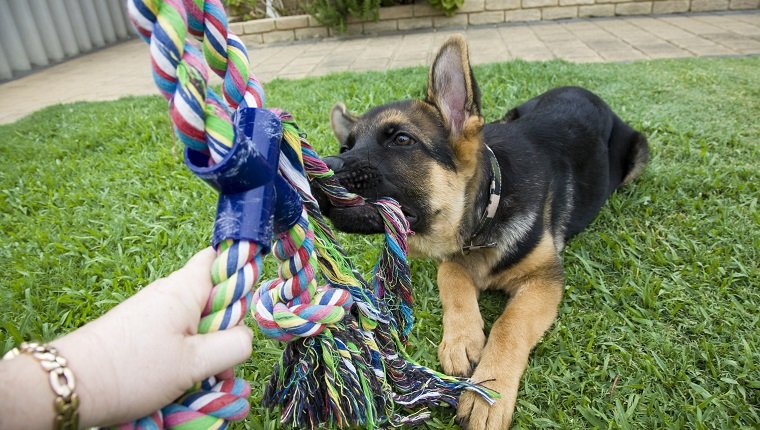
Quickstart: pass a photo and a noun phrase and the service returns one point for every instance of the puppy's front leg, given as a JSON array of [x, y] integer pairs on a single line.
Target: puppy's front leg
[[528, 315], [463, 337]]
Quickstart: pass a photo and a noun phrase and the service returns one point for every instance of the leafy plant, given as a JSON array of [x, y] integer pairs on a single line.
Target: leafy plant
[[244, 9], [335, 13], [447, 6]]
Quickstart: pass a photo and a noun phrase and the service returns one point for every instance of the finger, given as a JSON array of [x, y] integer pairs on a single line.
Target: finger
[[200, 264], [197, 274], [218, 351]]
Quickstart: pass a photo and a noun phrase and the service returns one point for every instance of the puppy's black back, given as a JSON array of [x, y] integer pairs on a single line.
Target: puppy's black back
[[569, 146]]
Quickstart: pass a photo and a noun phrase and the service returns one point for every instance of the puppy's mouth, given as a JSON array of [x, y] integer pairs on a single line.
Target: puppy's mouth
[[410, 216], [364, 179], [363, 219]]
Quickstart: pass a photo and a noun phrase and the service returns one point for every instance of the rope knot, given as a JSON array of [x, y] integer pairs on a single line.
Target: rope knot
[[293, 306]]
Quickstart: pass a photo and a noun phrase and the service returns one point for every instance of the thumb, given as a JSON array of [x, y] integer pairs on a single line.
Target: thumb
[[216, 352], [197, 273]]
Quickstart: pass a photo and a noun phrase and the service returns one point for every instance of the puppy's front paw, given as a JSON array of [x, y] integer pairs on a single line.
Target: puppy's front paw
[[459, 352], [474, 413]]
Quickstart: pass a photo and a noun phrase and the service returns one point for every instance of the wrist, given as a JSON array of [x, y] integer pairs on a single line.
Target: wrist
[[26, 400], [60, 385], [85, 359]]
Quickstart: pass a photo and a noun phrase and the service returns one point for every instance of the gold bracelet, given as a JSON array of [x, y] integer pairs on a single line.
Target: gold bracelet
[[61, 381]]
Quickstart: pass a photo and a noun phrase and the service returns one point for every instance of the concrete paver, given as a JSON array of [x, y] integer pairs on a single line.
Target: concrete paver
[[124, 69]]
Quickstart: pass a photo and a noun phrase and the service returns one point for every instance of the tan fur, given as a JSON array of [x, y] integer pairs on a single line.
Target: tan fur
[[467, 147], [530, 312], [451, 194], [463, 338], [447, 195], [542, 261], [390, 116], [479, 265], [535, 285]]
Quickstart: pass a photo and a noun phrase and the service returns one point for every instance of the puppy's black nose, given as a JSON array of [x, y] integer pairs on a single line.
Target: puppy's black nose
[[334, 163]]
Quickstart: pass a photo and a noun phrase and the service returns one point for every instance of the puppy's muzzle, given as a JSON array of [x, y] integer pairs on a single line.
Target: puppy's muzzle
[[334, 163], [357, 177], [364, 218]]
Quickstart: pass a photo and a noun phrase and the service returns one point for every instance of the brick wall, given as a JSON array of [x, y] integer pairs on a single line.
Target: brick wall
[[475, 12]]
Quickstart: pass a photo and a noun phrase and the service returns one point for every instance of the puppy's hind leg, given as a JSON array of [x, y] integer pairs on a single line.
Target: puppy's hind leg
[[463, 337], [637, 158], [628, 153]]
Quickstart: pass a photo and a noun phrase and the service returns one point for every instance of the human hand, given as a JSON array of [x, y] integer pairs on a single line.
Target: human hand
[[146, 352]]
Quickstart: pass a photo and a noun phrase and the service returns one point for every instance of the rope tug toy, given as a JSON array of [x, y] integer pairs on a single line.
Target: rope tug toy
[[344, 364]]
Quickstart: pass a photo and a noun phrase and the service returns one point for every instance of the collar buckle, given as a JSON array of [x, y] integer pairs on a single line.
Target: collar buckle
[[472, 247]]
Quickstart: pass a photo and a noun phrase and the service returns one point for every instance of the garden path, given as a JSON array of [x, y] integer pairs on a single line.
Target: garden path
[[124, 69]]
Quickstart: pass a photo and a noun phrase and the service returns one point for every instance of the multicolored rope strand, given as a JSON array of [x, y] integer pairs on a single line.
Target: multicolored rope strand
[[392, 282], [202, 121], [344, 365], [224, 52], [368, 341], [292, 305]]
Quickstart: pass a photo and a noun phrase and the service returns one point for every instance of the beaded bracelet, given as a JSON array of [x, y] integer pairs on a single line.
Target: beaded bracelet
[[61, 381]]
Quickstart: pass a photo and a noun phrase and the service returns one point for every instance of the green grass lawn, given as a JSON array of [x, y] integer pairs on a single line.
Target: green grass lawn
[[659, 326]]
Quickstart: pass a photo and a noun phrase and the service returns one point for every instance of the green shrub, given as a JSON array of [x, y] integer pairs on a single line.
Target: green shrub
[[447, 6], [335, 13], [243, 10], [330, 13]]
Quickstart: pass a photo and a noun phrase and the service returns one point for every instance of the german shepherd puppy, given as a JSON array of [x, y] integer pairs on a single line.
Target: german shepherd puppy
[[493, 203]]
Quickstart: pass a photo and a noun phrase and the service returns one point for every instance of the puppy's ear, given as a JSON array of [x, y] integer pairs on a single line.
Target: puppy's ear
[[342, 121], [452, 88]]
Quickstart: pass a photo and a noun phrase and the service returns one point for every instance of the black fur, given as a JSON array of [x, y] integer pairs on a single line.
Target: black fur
[[560, 155], [565, 136], [565, 144]]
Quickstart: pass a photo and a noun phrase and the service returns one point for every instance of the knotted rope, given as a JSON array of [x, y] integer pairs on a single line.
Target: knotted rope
[[292, 306], [201, 119], [365, 354], [345, 366], [202, 122]]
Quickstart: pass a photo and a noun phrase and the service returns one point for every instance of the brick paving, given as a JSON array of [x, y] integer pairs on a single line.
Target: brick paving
[[124, 69]]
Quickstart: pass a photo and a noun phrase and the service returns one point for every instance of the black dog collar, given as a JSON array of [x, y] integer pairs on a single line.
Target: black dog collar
[[494, 198]]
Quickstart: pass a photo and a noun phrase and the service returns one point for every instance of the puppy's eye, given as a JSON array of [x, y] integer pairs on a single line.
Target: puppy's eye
[[403, 139]]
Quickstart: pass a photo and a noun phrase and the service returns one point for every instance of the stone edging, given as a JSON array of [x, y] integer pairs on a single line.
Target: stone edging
[[474, 12]]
